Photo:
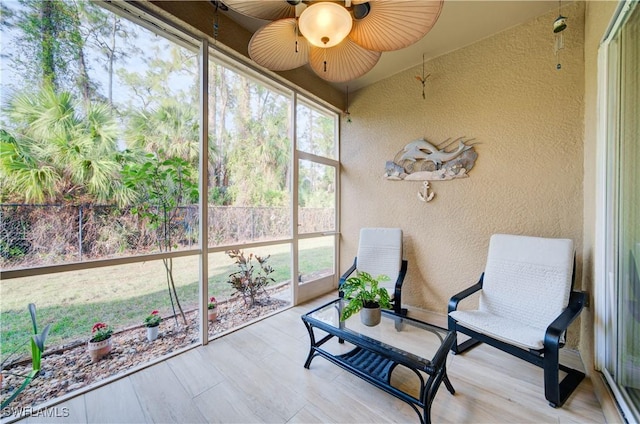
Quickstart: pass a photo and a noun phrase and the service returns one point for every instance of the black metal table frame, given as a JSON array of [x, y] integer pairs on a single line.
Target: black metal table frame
[[369, 353]]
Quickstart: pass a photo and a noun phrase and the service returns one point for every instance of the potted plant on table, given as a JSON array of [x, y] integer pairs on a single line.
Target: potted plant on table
[[100, 342], [152, 322], [362, 293], [212, 309]]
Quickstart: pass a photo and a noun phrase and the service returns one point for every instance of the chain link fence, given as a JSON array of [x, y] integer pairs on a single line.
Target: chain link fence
[[37, 235]]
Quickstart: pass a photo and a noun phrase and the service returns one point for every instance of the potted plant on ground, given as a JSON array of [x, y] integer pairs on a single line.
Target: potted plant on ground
[[212, 309], [100, 342], [152, 322], [362, 293]]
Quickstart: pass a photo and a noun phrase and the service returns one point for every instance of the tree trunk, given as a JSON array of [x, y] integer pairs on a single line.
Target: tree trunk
[[111, 58], [83, 79], [48, 43]]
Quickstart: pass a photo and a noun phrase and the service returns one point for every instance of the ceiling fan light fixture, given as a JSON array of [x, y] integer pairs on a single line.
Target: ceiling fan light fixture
[[340, 40], [325, 24]]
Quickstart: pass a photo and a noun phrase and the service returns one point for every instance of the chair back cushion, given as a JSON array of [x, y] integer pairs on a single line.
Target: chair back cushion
[[527, 279], [380, 252]]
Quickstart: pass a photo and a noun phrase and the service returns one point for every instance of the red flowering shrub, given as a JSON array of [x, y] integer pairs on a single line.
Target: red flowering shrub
[[212, 303], [153, 320], [100, 332]]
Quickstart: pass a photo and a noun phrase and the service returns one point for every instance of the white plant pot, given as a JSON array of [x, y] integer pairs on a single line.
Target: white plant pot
[[370, 316], [152, 333]]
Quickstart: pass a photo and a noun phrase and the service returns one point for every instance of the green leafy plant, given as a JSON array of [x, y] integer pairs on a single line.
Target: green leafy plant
[[100, 331], [163, 187], [153, 319], [362, 291], [37, 349], [244, 281]]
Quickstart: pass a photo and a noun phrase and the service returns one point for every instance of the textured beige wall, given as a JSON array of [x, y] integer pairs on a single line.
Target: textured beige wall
[[527, 119]]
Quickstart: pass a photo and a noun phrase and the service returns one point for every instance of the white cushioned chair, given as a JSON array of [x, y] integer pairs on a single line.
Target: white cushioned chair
[[380, 253], [526, 303]]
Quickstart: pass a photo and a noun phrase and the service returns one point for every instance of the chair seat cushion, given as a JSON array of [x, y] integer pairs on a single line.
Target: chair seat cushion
[[506, 330]]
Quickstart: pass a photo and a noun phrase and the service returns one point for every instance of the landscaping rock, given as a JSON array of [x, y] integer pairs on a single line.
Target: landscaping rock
[[65, 371]]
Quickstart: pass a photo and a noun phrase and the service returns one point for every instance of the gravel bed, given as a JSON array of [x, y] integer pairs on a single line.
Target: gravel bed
[[67, 370]]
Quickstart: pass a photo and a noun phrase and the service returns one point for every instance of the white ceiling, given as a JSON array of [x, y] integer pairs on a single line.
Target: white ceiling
[[462, 22]]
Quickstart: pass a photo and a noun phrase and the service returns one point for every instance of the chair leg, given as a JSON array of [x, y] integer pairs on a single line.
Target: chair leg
[[398, 309], [556, 391], [464, 346], [551, 379], [399, 324]]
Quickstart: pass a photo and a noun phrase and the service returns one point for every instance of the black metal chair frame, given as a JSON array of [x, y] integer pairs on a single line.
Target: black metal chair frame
[[548, 358], [397, 293]]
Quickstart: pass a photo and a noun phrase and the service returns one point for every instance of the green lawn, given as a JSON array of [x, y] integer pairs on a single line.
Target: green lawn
[[123, 295]]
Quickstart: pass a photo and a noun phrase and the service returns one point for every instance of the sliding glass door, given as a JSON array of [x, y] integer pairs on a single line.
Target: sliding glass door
[[622, 293]]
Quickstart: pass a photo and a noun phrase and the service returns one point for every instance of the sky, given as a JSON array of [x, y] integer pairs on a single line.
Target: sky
[[148, 43]]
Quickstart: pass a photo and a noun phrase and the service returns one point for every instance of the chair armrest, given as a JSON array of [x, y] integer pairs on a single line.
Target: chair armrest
[[577, 301], [401, 275], [397, 289], [455, 299], [347, 273]]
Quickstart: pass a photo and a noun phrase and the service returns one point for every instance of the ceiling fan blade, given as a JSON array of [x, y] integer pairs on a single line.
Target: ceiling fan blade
[[344, 62], [274, 46], [395, 24], [270, 10]]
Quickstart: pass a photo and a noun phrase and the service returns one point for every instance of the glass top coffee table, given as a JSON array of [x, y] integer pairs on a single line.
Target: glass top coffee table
[[375, 353]]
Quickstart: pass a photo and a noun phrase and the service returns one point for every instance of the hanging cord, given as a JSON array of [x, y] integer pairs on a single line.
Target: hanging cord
[[216, 22], [325, 59], [299, 7], [559, 45], [423, 78], [347, 114]]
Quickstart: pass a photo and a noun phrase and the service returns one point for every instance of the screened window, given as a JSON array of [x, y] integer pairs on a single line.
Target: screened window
[[101, 203], [317, 170], [249, 193], [92, 126]]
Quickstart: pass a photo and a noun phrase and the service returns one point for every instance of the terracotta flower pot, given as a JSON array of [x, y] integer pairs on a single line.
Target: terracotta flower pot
[[97, 350], [152, 333], [212, 314]]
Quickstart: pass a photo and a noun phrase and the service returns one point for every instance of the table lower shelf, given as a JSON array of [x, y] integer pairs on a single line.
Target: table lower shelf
[[370, 363]]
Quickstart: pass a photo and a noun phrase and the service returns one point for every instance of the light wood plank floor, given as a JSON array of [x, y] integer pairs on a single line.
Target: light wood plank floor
[[256, 375]]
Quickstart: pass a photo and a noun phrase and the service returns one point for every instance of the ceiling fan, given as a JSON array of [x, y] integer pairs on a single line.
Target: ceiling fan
[[341, 40]]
